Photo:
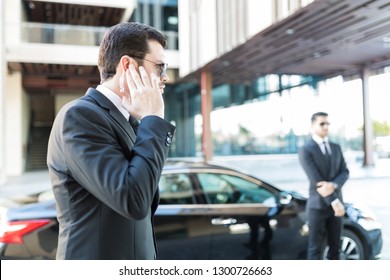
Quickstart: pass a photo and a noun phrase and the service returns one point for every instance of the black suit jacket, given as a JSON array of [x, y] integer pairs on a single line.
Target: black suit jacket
[[316, 168], [105, 179]]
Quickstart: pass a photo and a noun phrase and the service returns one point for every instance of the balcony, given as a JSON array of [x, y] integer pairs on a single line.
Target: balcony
[[62, 34]]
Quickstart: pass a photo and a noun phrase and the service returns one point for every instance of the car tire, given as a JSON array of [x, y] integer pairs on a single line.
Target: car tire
[[351, 247]]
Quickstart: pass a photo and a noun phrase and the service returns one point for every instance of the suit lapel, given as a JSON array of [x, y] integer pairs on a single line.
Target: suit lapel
[[321, 159], [333, 158], [317, 149], [105, 103]]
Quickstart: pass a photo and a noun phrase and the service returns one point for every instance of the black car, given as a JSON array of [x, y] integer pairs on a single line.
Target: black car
[[206, 211]]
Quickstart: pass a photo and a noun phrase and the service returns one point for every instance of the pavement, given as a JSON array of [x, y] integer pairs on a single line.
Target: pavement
[[284, 168]]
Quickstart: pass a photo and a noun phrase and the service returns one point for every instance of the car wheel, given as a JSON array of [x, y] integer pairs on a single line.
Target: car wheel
[[351, 247]]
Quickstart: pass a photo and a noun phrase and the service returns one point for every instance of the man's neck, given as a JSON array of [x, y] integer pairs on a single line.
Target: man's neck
[[111, 85], [318, 138]]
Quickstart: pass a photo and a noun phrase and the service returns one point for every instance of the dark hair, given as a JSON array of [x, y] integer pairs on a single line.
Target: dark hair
[[127, 38], [318, 114]]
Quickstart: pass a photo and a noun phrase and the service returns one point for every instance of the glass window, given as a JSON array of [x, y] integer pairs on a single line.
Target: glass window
[[175, 189], [223, 188], [170, 18]]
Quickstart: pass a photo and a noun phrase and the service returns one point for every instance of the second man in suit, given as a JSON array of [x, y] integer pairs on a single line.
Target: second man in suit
[[324, 165]]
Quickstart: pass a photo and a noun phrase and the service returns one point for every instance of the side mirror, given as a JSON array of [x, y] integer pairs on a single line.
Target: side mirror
[[285, 198]]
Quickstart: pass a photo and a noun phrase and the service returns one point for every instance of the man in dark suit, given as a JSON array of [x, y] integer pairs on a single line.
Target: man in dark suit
[[107, 150], [324, 165]]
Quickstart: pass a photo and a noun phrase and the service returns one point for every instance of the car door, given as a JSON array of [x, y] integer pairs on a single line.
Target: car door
[[248, 221], [182, 230]]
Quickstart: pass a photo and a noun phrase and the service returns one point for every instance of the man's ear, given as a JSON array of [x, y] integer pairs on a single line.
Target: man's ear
[[126, 61]]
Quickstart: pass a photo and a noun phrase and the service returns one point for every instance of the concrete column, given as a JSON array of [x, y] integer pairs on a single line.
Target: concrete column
[[157, 12], [16, 125], [15, 110], [145, 15], [368, 131], [206, 86], [3, 70]]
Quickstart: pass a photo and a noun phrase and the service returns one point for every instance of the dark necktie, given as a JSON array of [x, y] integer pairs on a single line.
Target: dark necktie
[[327, 154], [134, 123]]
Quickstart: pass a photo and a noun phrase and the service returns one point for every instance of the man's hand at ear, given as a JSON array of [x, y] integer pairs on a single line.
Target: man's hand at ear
[[145, 96]]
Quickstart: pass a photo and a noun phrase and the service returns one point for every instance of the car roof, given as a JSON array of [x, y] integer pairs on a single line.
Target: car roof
[[172, 164], [184, 165]]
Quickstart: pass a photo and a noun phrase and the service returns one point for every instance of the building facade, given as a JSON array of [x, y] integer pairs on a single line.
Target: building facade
[[49, 57], [248, 59]]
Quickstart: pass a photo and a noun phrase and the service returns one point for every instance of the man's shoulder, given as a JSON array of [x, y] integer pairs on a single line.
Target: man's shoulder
[[334, 146], [309, 144]]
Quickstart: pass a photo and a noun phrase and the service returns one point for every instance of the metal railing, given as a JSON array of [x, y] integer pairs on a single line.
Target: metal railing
[[74, 35], [61, 34]]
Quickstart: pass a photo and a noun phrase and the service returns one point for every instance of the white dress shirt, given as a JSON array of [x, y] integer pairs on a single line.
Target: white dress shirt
[[115, 99], [320, 141]]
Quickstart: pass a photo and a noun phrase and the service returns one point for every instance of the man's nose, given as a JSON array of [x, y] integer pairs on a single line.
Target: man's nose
[[164, 78]]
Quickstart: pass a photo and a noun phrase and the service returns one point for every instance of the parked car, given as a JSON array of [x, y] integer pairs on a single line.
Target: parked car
[[206, 211]]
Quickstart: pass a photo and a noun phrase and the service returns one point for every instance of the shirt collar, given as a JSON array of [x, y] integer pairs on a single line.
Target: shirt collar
[[114, 98], [319, 140]]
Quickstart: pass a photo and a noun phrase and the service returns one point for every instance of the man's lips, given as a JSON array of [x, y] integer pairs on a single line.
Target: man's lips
[[162, 89]]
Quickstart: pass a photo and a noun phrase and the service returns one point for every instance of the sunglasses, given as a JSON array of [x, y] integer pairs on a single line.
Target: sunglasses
[[324, 123], [161, 66]]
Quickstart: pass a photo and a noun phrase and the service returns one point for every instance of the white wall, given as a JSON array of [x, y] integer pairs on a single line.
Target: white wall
[[260, 15], [16, 121], [3, 69], [54, 54], [184, 37], [62, 98], [210, 28], [100, 3], [13, 18], [206, 42]]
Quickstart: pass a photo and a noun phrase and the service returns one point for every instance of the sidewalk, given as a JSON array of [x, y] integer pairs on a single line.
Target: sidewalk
[[286, 168]]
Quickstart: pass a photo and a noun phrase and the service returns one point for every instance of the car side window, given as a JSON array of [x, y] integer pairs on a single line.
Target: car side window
[[175, 189], [223, 188]]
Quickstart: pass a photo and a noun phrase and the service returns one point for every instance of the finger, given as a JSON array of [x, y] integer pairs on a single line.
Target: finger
[[136, 78], [144, 76], [339, 213], [126, 102], [130, 82]]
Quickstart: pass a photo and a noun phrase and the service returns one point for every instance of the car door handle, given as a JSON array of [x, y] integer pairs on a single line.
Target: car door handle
[[220, 221]]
